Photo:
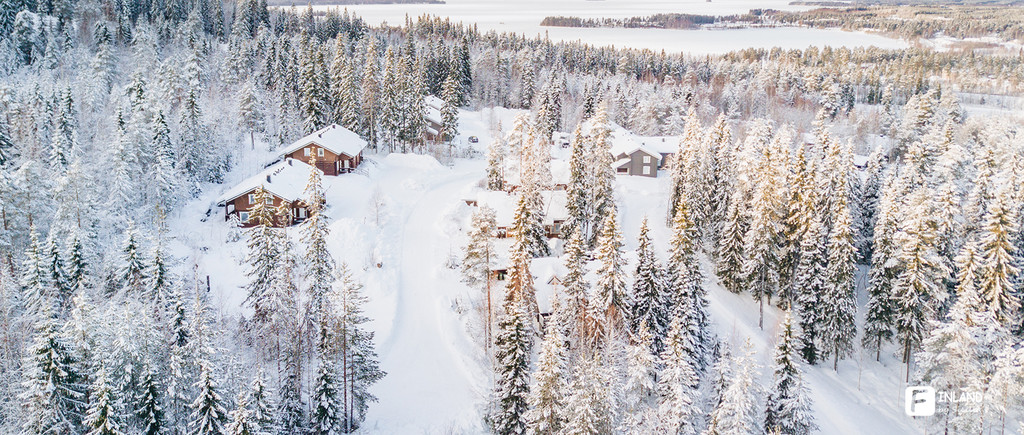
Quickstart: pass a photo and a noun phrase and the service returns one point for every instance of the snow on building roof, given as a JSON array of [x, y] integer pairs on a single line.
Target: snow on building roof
[[504, 205], [432, 101], [335, 138], [660, 144], [621, 162], [559, 174], [548, 273], [860, 161], [624, 142], [285, 179]]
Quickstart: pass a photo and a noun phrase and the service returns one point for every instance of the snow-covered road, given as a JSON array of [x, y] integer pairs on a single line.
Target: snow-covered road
[[432, 383]]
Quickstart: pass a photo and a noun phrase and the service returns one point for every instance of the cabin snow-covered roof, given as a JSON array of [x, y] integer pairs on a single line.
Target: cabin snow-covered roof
[[335, 138], [660, 144], [624, 142], [433, 101], [504, 205], [285, 179]]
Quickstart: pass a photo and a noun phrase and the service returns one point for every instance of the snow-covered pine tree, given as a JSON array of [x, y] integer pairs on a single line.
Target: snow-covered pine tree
[[150, 410], [677, 381], [837, 306], [360, 367], [760, 243], [612, 300], [164, 177], [312, 84], [730, 253], [479, 257], [737, 412], [788, 408], [684, 165], [576, 288], [512, 372], [250, 112], [550, 385], [158, 279], [241, 417], [997, 269], [62, 290], [650, 309], [101, 418], [208, 413], [718, 184], [264, 242]]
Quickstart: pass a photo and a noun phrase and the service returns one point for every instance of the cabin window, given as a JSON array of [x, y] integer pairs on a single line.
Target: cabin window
[[502, 233], [270, 200], [252, 198], [623, 170], [305, 152], [558, 227], [347, 163], [647, 159], [302, 213], [319, 152], [647, 170], [501, 275], [243, 216]]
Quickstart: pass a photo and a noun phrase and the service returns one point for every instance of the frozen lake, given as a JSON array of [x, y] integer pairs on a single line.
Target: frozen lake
[[524, 17]]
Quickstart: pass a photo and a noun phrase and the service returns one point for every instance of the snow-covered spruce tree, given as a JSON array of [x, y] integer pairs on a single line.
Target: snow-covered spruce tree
[[650, 309], [496, 164], [959, 354], [997, 270], [264, 242], [53, 396], [677, 381], [684, 166], [78, 274], [519, 288], [250, 112], [451, 95], [761, 242], [150, 410], [602, 197], [479, 257], [528, 221], [241, 417], [547, 393], [612, 300], [869, 203], [737, 412], [788, 408], [262, 416], [512, 372], [919, 289], [312, 85], [58, 273], [164, 176], [131, 265], [809, 282], [319, 264], [639, 390], [37, 291], [158, 279], [729, 266], [576, 288], [325, 417], [720, 144], [587, 409], [208, 414], [101, 418], [880, 310], [578, 203], [685, 288], [360, 368], [838, 303]]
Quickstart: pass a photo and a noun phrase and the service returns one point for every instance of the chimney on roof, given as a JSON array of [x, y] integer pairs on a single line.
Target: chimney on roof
[[268, 178], [289, 162]]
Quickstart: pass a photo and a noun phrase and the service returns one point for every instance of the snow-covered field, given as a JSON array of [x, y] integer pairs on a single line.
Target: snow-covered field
[[524, 17], [396, 223]]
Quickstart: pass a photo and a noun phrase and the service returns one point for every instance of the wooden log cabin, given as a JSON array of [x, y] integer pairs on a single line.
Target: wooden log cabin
[[283, 182], [333, 149]]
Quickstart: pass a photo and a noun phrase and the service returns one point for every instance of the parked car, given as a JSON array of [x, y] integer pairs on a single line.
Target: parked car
[[474, 139]]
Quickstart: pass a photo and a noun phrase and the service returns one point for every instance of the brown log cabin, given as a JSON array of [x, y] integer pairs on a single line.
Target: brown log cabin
[[283, 182], [333, 149]]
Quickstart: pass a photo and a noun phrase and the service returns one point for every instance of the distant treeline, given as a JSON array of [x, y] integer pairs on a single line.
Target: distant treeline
[[658, 21], [351, 2]]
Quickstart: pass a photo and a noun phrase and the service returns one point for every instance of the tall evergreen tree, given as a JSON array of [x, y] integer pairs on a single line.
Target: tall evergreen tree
[[360, 367], [838, 304], [612, 301], [547, 393], [53, 395], [208, 414], [788, 409], [678, 381], [649, 310], [998, 270], [512, 371], [101, 417]]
